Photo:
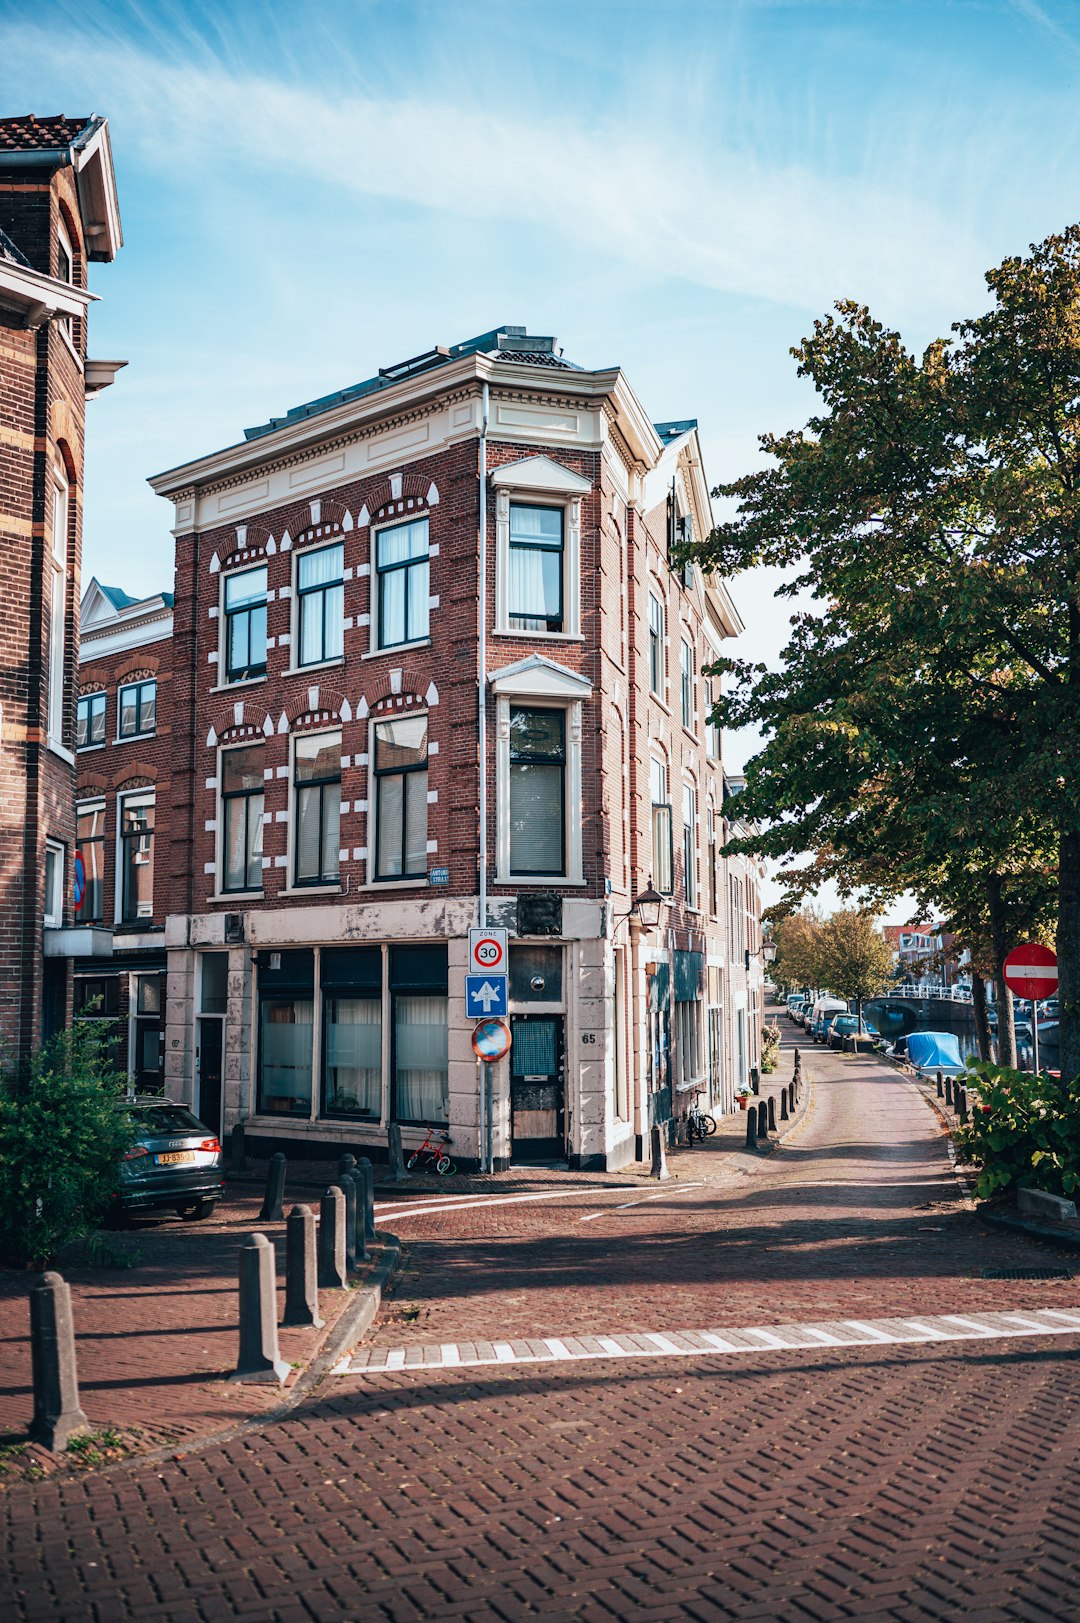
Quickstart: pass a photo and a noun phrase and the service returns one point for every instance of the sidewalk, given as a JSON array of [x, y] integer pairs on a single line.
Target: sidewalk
[[156, 1340]]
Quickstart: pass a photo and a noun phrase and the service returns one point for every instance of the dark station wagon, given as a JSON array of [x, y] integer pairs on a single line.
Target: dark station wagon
[[175, 1163]]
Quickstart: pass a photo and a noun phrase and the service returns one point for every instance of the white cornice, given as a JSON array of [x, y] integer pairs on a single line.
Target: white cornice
[[40, 297]]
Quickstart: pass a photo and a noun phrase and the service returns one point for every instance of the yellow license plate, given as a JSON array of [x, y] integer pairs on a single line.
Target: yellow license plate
[[173, 1157]]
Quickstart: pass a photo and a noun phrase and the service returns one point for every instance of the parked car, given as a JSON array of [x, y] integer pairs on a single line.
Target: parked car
[[796, 1005], [847, 1025], [831, 1006], [175, 1163]]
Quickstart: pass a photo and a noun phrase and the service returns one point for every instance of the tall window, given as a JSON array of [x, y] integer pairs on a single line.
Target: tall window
[[286, 1029], [138, 709], [656, 645], [710, 835], [689, 845], [536, 567], [321, 597], [90, 828], [686, 684], [245, 624], [712, 731], [317, 783], [53, 910], [137, 858], [661, 828], [420, 1045], [351, 980], [58, 605], [242, 817], [537, 791], [65, 271], [401, 782], [90, 720], [401, 565]]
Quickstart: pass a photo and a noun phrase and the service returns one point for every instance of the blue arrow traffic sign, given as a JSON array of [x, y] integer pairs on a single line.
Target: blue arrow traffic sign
[[485, 994]]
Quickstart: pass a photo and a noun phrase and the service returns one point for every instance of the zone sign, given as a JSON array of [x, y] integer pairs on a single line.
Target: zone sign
[[487, 952]]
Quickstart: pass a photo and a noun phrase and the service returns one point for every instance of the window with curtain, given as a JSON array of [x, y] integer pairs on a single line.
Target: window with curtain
[[352, 1055], [320, 592], [418, 988], [656, 645], [90, 720], [285, 1053], [138, 709], [537, 790], [137, 859], [663, 862], [690, 845], [401, 806], [686, 684], [535, 592], [401, 567], [245, 624], [90, 828], [242, 805], [317, 788]]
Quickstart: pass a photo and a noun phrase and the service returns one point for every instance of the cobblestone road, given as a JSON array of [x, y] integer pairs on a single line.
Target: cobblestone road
[[878, 1481]]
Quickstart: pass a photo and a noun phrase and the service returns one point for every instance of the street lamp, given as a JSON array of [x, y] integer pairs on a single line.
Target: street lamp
[[767, 952], [646, 909]]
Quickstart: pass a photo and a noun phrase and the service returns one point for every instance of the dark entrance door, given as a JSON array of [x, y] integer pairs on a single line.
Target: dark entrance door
[[208, 1108], [537, 1088]]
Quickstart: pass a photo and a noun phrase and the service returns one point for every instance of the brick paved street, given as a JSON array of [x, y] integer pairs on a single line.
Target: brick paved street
[[895, 1481]]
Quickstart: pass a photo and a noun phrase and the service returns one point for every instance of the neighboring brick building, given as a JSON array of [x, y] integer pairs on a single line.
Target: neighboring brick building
[[124, 743], [342, 810], [58, 211]]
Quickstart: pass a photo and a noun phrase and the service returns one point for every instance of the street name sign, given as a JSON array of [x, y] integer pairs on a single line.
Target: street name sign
[[491, 1039], [487, 952], [1031, 971], [485, 995]]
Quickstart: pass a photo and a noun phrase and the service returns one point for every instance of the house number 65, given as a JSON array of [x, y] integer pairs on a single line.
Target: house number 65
[[589, 1037]]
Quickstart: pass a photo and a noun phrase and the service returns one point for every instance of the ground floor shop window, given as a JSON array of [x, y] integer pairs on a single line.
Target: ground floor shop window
[[285, 1055], [418, 987], [97, 1006], [351, 981]]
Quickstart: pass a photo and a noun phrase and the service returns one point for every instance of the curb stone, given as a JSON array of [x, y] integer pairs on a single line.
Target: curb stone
[[1023, 1225]]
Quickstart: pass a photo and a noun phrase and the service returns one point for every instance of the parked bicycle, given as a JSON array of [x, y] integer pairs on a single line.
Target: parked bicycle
[[699, 1124], [432, 1152]]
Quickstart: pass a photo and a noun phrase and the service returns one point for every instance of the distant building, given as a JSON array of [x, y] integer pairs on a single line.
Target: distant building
[[58, 211]]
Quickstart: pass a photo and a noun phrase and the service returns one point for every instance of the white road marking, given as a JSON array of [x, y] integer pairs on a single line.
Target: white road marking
[[443, 1203], [664, 1194], [713, 1344]]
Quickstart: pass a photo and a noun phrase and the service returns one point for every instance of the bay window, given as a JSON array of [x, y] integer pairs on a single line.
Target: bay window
[[402, 576], [536, 568], [242, 803], [317, 807], [320, 592], [401, 804], [537, 790]]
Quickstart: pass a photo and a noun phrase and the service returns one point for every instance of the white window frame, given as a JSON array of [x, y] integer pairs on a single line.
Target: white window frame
[[395, 522], [138, 684], [540, 683], [96, 803], [219, 818], [224, 680], [134, 797], [60, 520], [659, 873], [687, 684], [419, 880], [52, 912], [691, 885], [295, 666], [656, 596], [87, 698], [539, 482], [322, 886]]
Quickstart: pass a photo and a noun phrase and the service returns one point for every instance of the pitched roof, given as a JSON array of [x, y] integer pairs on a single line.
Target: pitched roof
[[28, 133], [675, 431], [118, 599], [507, 343]]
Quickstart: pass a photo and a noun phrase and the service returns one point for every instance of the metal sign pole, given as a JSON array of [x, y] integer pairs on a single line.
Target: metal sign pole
[[1035, 1034]]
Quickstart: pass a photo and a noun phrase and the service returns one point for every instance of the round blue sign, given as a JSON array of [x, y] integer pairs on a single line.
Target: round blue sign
[[491, 1039]]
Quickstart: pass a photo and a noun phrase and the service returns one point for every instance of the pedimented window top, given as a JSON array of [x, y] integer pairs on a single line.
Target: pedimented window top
[[540, 474], [539, 678]]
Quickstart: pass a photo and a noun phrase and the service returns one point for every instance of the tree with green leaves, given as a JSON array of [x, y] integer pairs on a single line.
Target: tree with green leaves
[[797, 939], [924, 729], [856, 960]]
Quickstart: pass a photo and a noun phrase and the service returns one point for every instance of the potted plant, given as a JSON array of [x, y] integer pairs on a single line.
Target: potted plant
[[744, 1095]]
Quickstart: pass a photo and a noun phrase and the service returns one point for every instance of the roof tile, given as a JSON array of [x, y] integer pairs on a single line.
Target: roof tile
[[27, 133]]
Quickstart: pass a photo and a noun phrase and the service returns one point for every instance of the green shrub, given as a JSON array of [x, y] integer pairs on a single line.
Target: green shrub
[[63, 1130], [1023, 1130], [770, 1048]]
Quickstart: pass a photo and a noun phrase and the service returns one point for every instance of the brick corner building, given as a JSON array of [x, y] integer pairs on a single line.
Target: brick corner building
[[433, 666], [58, 211]]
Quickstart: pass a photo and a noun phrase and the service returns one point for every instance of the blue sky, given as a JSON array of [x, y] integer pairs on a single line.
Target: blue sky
[[310, 191]]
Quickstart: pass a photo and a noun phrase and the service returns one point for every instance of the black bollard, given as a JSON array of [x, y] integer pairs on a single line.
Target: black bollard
[[751, 1127], [348, 1183], [940, 1089], [237, 1158], [948, 1090], [395, 1153], [755, 1079], [333, 1273], [772, 1113], [346, 1162], [960, 1096], [273, 1208], [367, 1172], [784, 1112], [359, 1237], [762, 1120], [301, 1291], [659, 1168], [57, 1413], [260, 1356]]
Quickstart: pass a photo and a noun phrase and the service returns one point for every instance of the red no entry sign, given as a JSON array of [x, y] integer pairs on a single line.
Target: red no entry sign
[[1031, 971]]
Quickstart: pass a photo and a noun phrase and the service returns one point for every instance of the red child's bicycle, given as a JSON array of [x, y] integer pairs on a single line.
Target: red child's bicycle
[[432, 1152]]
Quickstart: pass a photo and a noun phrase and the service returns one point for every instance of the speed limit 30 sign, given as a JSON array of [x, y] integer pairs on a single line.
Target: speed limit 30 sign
[[487, 952]]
